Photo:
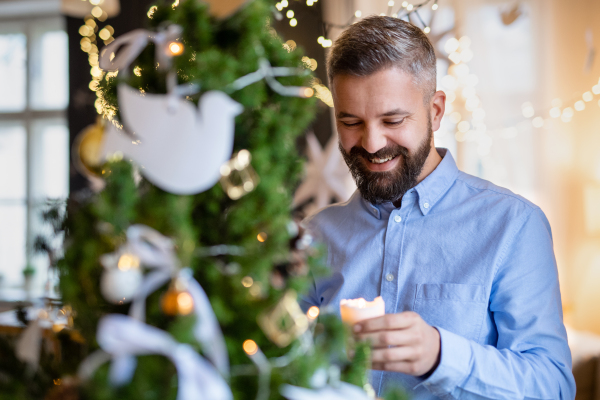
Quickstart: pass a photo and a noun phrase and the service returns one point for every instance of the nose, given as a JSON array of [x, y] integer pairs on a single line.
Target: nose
[[373, 139]]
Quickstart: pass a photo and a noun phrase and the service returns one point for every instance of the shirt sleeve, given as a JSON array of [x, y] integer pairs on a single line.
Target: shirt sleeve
[[531, 359]]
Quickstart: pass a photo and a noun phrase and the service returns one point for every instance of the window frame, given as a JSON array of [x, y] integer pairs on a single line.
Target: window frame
[[27, 17]]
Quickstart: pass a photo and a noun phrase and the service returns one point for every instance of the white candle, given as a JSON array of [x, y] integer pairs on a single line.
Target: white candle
[[357, 310]]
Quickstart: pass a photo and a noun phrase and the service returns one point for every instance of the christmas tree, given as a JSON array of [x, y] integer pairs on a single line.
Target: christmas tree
[[230, 250]]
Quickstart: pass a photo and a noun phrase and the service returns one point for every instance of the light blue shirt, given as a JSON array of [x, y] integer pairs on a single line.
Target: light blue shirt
[[473, 260]]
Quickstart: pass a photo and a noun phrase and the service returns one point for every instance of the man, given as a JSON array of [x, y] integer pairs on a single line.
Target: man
[[466, 268]]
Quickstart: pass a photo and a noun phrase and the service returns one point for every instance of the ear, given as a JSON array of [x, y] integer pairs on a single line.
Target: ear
[[437, 107]]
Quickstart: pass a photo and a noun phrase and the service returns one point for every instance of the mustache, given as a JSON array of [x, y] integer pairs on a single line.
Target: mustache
[[385, 152]]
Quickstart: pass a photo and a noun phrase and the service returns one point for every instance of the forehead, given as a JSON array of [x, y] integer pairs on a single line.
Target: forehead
[[375, 94]]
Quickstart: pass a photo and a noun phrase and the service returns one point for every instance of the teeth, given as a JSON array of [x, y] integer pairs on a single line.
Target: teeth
[[380, 160]]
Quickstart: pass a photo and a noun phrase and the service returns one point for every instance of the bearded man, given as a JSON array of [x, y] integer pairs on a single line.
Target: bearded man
[[466, 268]]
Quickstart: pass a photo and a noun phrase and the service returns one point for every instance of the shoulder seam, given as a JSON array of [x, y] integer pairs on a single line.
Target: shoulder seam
[[513, 195]]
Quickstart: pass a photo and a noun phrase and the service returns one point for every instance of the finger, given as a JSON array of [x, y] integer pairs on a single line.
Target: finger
[[401, 320], [384, 339], [393, 354]]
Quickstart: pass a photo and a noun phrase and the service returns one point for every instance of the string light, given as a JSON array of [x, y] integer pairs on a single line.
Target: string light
[[313, 312], [175, 48], [250, 347], [89, 45]]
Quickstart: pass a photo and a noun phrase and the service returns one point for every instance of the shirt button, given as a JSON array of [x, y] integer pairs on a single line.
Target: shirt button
[[398, 218], [389, 277], [426, 205]]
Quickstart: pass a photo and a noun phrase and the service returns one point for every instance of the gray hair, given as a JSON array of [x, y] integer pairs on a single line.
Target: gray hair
[[376, 43]]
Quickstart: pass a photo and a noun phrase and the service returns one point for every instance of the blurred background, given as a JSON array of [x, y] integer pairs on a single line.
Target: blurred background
[[523, 110]]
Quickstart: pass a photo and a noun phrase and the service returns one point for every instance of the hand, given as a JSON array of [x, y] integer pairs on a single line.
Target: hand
[[401, 342]]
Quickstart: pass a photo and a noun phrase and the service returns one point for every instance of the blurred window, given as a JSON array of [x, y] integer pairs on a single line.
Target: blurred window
[[34, 139]]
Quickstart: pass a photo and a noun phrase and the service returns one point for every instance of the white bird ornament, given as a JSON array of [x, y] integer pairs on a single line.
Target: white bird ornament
[[179, 148]]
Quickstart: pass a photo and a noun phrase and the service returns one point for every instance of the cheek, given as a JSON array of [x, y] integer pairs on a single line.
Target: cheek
[[409, 137], [348, 138]]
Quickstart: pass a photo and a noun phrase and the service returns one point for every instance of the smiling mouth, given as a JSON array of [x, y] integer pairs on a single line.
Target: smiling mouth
[[381, 160]]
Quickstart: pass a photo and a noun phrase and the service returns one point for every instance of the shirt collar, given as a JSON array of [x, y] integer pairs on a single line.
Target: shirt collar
[[437, 183], [430, 189]]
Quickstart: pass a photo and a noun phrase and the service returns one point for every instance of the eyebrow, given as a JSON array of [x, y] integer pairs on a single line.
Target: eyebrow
[[391, 113]]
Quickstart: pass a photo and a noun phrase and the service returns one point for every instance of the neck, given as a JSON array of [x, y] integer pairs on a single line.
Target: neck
[[431, 163]]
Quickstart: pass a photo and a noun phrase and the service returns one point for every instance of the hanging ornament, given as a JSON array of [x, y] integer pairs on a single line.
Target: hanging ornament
[[80, 9], [121, 278], [238, 178], [224, 8], [178, 148], [87, 153], [285, 322], [177, 300]]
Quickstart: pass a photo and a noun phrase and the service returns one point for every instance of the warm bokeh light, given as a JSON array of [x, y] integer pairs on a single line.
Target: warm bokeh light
[[175, 48], [128, 261], [250, 347], [308, 92], [247, 281], [313, 312], [262, 237], [185, 303]]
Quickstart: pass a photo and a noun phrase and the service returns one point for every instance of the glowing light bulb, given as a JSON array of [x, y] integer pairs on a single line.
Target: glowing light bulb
[[434, 7], [293, 22], [97, 12], [579, 105], [527, 109], [555, 112], [128, 261], [588, 96], [391, 3], [320, 39], [427, 29], [313, 312], [451, 45], [358, 13], [175, 48], [185, 303], [404, 4], [409, 7], [247, 281], [537, 122], [290, 14], [308, 92], [250, 347]]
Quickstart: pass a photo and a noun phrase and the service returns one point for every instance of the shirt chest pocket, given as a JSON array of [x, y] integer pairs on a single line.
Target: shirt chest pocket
[[458, 308]]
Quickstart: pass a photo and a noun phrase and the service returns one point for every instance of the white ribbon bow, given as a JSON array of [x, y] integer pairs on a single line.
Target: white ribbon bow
[[120, 335], [156, 251], [127, 47]]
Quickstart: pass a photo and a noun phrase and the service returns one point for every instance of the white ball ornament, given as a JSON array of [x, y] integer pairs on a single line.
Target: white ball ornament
[[119, 284]]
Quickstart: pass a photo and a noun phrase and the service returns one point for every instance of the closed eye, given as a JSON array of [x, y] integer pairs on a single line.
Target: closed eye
[[349, 124], [393, 123]]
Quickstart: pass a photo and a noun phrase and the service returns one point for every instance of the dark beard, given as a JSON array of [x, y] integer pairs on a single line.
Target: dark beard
[[380, 187]]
